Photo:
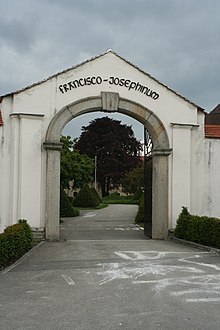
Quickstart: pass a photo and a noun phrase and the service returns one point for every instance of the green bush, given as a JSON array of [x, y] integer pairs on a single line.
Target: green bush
[[115, 198], [86, 198], [199, 229], [140, 214], [138, 195], [66, 208], [14, 242], [96, 195], [182, 222]]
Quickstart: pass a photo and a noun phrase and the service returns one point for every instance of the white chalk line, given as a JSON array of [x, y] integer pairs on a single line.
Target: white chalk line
[[203, 299], [89, 214], [68, 279], [200, 263], [140, 264], [146, 255]]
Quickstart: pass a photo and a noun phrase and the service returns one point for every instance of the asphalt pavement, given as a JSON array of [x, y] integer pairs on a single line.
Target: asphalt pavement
[[105, 274]]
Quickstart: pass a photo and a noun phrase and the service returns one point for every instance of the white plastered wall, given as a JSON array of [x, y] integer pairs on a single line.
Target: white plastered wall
[[193, 165]]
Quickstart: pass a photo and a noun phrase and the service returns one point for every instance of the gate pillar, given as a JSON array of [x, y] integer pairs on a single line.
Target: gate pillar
[[160, 193], [53, 190]]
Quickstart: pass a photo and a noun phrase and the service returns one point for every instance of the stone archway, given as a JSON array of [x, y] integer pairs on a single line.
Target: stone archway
[[109, 102]]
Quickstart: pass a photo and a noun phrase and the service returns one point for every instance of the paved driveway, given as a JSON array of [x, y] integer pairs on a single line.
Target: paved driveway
[[104, 274]]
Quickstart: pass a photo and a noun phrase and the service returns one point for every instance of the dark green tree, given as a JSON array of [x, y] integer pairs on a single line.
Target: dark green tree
[[134, 179], [115, 146], [74, 166]]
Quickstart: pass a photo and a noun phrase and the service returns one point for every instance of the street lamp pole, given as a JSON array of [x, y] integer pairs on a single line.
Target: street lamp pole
[[95, 171]]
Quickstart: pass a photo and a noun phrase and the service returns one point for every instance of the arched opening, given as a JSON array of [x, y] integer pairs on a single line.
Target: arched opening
[[110, 102], [107, 140]]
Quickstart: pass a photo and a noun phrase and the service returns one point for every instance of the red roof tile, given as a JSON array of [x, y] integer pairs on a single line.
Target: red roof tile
[[212, 131]]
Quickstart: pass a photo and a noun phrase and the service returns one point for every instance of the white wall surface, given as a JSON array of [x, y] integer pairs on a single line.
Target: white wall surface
[[193, 166]]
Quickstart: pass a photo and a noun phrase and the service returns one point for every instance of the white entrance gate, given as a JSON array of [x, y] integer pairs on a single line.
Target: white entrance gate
[[185, 163]]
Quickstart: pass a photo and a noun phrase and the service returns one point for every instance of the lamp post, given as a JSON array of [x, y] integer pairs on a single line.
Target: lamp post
[[95, 172]]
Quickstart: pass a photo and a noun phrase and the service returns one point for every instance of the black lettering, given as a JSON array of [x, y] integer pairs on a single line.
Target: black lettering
[[93, 80], [80, 82], [146, 91], [132, 85], [154, 95], [99, 80], [127, 82], [65, 87], [61, 89], [71, 85], [88, 81], [151, 93], [76, 83], [138, 87], [111, 80], [122, 82], [116, 81]]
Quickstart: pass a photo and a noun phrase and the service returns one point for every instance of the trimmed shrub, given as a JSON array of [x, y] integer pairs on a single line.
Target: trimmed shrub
[[66, 208], [138, 195], [199, 229], [140, 214], [95, 193], [86, 198], [182, 222], [14, 242]]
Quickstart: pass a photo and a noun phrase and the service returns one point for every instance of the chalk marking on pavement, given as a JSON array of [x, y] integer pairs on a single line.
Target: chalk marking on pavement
[[203, 300], [89, 214], [138, 265], [145, 255], [200, 263], [68, 279]]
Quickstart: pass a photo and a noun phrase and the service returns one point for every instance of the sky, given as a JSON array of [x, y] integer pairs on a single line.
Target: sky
[[176, 41]]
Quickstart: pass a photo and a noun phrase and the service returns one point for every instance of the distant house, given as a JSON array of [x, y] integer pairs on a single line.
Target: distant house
[[212, 123]]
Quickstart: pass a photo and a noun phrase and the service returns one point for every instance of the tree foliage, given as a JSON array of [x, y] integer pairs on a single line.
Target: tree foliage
[[115, 146], [74, 166], [134, 179]]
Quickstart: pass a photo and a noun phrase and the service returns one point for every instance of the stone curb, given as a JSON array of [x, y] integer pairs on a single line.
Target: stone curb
[[195, 245], [20, 260]]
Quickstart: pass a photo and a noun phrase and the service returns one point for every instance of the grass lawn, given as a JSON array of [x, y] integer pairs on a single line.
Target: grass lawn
[[115, 199]]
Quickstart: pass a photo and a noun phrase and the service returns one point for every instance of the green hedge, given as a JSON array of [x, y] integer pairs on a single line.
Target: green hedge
[[14, 242], [86, 198], [115, 198], [138, 195], [96, 195], [66, 208], [198, 229], [140, 214]]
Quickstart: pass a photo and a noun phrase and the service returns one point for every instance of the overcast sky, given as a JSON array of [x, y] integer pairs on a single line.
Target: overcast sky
[[176, 41]]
